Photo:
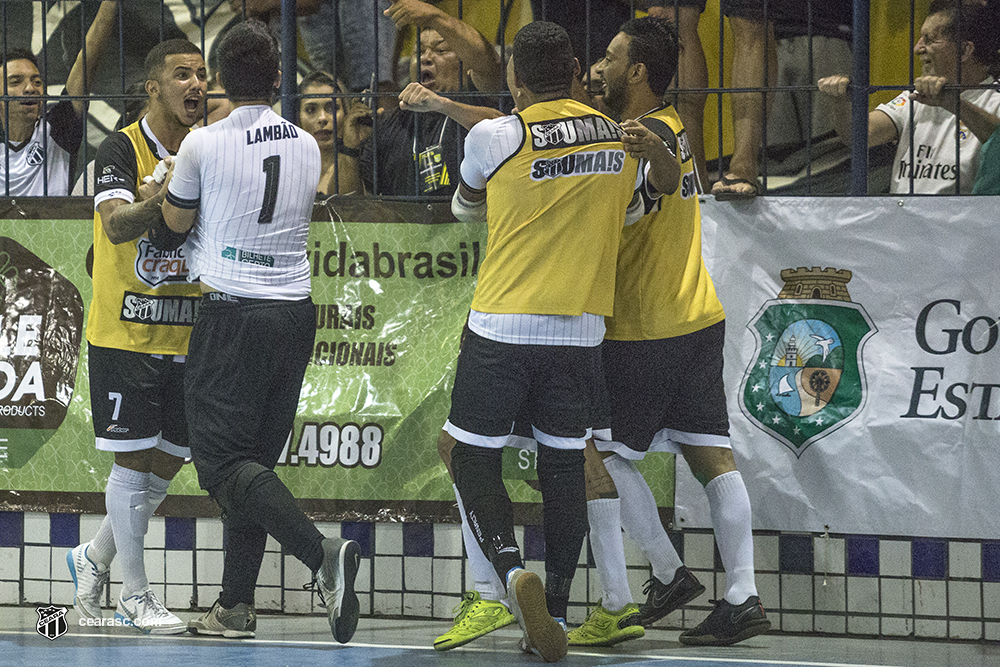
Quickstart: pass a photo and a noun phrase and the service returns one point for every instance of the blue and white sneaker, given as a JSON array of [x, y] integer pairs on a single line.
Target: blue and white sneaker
[[90, 579], [144, 612]]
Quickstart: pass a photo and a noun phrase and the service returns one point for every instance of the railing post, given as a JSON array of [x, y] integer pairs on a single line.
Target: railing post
[[859, 99], [289, 70]]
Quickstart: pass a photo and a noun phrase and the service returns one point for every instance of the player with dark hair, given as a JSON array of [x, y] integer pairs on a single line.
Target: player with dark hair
[[244, 188], [666, 314], [554, 184], [138, 328]]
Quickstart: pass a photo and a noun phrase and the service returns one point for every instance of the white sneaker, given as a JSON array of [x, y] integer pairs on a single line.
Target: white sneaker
[[542, 633], [146, 613], [90, 579]]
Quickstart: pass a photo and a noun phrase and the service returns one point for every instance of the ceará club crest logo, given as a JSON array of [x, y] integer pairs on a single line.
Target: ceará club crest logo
[[807, 376]]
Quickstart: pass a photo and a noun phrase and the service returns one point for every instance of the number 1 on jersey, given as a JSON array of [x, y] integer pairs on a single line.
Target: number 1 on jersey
[[272, 168]]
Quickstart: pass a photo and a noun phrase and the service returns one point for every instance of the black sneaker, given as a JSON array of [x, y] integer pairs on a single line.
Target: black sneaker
[[728, 624], [661, 598]]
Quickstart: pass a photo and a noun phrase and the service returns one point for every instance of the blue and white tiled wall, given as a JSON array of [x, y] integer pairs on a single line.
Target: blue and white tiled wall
[[838, 584]]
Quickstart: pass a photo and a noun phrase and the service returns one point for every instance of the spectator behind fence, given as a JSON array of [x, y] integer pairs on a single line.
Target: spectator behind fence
[[755, 55], [338, 133], [803, 115], [404, 140], [781, 35], [340, 38], [988, 176], [134, 107], [39, 147], [930, 159]]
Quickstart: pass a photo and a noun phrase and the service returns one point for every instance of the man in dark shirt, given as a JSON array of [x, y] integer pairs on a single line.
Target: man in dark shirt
[[404, 140]]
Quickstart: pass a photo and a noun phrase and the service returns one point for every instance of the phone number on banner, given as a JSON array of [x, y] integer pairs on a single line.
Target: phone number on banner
[[329, 444]]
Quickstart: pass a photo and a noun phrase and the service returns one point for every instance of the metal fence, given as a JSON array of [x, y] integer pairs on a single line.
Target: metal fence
[[55, 30]]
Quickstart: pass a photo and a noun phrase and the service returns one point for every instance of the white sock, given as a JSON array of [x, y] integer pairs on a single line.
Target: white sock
[[486, 581], [102, 548], [640, 518], [604, 515], [730, 507], [125, 498], [157, 492]]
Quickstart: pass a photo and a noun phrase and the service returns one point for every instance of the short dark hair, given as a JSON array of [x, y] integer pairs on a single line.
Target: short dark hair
[[157, 56], [249, 62], [979, 25], [543, 58], [653, 42], [19, 53]]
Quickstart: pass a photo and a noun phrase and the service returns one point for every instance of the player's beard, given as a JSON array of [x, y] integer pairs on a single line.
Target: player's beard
[[615, 96]]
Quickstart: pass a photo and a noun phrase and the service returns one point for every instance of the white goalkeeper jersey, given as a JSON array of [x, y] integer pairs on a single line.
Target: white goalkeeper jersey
[[253, 179]]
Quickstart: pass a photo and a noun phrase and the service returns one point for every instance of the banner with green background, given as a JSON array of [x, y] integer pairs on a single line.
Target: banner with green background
[[391, 300]]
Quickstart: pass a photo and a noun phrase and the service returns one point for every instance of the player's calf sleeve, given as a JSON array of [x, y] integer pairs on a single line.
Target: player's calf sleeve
[[564, 513], [730, 509], [260, 495], [487, 506], [486, 581], [640, 518], [125, 499], [244, 542]]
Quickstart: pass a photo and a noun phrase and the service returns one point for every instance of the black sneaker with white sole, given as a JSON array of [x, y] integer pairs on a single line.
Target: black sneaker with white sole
[[661, 598], [729, 624]]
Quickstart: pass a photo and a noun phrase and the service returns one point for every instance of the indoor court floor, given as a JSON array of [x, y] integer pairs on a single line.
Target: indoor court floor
[[306, 641]]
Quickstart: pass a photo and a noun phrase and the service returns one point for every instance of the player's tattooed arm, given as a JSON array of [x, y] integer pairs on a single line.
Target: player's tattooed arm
[[124, 222]]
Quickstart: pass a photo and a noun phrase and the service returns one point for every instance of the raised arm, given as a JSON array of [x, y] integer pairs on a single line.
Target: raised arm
[[97, 38], [881, 129], [416, 97], [472, 48]]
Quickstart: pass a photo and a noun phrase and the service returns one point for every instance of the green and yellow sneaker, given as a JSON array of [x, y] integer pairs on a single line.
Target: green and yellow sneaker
[[606, 628], [474, 618]]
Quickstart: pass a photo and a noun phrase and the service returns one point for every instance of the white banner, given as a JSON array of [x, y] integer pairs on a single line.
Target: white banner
[[862, 363]]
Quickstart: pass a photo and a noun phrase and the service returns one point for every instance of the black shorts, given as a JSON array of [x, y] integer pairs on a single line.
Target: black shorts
[[672, 4], [137, 401], [246, 362], [667, 392], [752, 10], [550, 386]]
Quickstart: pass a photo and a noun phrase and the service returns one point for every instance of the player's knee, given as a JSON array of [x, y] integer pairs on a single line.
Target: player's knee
[[707, 463], [233, 487], [164, 465], [477, 469]]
